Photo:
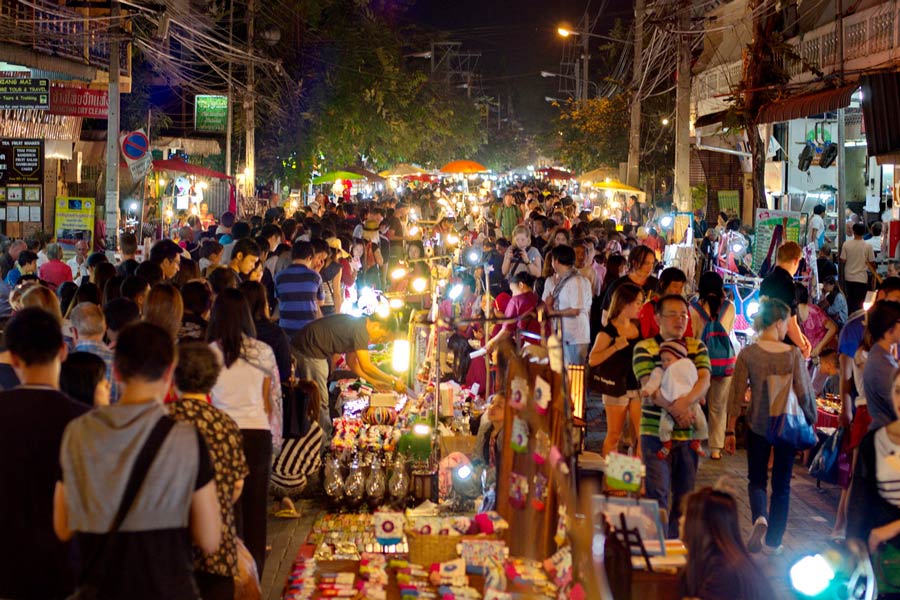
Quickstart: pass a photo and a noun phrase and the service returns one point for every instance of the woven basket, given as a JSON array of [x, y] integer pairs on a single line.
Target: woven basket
[[427, 549]]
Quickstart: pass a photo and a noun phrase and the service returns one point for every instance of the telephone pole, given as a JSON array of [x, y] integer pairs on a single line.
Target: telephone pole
[[585, 56], [634, 137], [682, 196], [112, 133], [250, 106], [230, 114]]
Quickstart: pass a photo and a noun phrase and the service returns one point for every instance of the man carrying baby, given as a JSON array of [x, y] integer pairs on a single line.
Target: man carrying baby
[[676, 471]]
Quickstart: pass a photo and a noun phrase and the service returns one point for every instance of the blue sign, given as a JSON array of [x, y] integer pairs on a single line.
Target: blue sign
[[135, 145]]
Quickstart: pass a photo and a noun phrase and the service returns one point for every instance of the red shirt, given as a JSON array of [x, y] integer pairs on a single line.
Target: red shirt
[[55, 272], [518, 306]]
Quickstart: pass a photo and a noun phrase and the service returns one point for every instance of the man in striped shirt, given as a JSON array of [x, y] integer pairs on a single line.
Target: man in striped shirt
[[299, 290], [677, 471]]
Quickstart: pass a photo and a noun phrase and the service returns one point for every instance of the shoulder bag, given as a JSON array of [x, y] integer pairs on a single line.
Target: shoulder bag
[[96, 565], [787, 424]]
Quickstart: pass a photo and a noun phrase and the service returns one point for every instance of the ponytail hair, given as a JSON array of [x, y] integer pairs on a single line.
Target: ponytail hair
[[711, 289]]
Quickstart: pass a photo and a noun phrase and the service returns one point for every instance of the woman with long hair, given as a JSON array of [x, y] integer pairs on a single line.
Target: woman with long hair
[[814, 323], [835, 302], [718, 564], [641, 263], [248, 389], [267, 330], [611, 373], [760, 366], [164, 307], [712, 304]]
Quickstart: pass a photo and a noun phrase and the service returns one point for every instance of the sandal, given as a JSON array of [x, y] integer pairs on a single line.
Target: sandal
[[716, 455], [287, 510]]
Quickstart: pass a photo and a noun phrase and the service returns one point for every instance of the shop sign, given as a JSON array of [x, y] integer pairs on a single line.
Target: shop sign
[[773, 228], [21, 161], [20, 93], [78, 102], [210, 113], [74, 221]]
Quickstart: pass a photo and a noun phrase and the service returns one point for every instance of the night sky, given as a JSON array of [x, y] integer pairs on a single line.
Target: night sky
[[517, 44]]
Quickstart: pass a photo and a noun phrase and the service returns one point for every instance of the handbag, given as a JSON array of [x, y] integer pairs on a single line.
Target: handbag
[[787, 424], [246, 582], [886, 564], [95, 570], [825, 465]]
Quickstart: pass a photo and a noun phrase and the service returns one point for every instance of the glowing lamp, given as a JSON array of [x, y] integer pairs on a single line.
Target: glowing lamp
[[422, 429], [133, 206], [400, 358], [666, 221], [419, 284], [396, 303], [563, 31], [414, 230], [383, 310], [452, 239], [398, 273], [811, 575], [752, 309], [455, 291]]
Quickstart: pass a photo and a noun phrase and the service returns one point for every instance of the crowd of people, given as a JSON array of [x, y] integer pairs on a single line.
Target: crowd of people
[[150, 407]]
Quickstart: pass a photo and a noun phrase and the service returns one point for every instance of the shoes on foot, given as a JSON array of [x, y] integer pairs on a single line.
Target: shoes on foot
[[716, 455], [760, 526]]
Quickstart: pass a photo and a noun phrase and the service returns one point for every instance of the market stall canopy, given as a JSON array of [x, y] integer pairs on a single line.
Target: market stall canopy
[[616, 186], [336, 175], [600, 174], [179, 166], [367, 175], [465, 167], [404, 170], [554, 173]]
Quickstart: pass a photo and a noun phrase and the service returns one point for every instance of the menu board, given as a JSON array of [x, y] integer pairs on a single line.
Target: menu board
[[21, 161]]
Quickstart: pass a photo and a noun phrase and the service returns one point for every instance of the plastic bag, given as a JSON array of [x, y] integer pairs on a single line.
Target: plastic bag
[[246, 583], [825, 464], [787, 424]]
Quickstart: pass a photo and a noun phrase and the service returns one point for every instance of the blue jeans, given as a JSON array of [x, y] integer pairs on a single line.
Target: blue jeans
[[757, 473], [674, 474]]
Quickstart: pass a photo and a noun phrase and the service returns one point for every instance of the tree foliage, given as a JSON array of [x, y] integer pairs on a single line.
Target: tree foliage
[[592, 133]]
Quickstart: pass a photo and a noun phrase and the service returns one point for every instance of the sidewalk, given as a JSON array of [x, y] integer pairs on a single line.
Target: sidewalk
[[809, 525]]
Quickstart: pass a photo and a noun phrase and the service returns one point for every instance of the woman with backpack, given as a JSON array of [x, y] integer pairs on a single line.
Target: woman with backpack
[[712, 321]]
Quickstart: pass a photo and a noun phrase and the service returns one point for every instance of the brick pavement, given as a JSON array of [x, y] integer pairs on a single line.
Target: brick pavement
[[808, 531]]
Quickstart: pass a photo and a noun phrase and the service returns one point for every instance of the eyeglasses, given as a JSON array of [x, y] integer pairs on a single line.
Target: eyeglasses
[[671, 315]]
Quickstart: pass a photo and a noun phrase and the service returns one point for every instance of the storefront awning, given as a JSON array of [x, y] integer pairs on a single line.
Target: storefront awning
[[806, 105], [710, 119], [179, 166], [881, 107]]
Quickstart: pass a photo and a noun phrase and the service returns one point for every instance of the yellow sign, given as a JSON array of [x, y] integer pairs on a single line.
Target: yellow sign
[[74, 221]]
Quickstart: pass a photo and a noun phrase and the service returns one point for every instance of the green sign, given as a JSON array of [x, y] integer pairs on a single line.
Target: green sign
[[210, 113], [18, 94]]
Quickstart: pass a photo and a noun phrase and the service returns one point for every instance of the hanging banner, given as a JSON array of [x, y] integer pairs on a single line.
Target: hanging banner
[[74, 221], [78, 101], [773, 228]]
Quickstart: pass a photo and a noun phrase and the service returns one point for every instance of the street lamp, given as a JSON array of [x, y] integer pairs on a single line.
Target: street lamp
[[665, 121], [565, 32]]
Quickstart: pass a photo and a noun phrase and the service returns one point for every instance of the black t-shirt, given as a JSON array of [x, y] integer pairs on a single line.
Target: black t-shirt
[[334, 334], [147, 565], [615, 375], [33, 562], [780, 285], [826, 268]]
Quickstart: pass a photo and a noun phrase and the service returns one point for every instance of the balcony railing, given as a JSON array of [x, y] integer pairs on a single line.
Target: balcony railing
[[55, 30], [871, 40]]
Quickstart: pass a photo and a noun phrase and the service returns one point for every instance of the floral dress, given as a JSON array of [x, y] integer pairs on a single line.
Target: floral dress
[[223, 439]]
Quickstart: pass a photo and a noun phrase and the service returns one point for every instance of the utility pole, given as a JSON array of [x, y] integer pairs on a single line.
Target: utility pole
[[634, 136], [250, 105], [229, 114], [585, 57], [112, 132], [682, 186]]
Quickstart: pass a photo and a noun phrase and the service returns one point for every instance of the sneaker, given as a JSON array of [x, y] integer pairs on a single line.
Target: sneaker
[[773, 550], [760, 526]]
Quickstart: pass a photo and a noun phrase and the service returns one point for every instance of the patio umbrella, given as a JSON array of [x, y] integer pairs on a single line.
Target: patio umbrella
[[465, 167], [597, 174], [368, 175], [403, 170], [616, 186], [335, 175]]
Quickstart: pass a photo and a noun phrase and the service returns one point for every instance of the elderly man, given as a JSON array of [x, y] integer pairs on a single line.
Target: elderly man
[[89, 326], [9, 258], [78, 263]]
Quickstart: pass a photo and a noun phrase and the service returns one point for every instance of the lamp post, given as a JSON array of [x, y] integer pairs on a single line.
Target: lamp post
[[581, 82]]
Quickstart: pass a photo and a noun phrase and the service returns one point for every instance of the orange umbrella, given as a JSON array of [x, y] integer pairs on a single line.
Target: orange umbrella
[[464, 167]]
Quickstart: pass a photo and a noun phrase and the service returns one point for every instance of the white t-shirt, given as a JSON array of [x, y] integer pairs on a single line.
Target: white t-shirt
[[875, 242], [816, 223], [239, 388], [857, 253], [575, 293], [887, 467]]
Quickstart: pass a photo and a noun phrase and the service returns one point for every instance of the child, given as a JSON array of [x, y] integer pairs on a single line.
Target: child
[[674, 379]]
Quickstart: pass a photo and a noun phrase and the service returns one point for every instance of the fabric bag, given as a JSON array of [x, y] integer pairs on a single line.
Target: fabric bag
[[886, 564], [787, 424], [825, 465], [722, 357], [96, 566], [246, 582]]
